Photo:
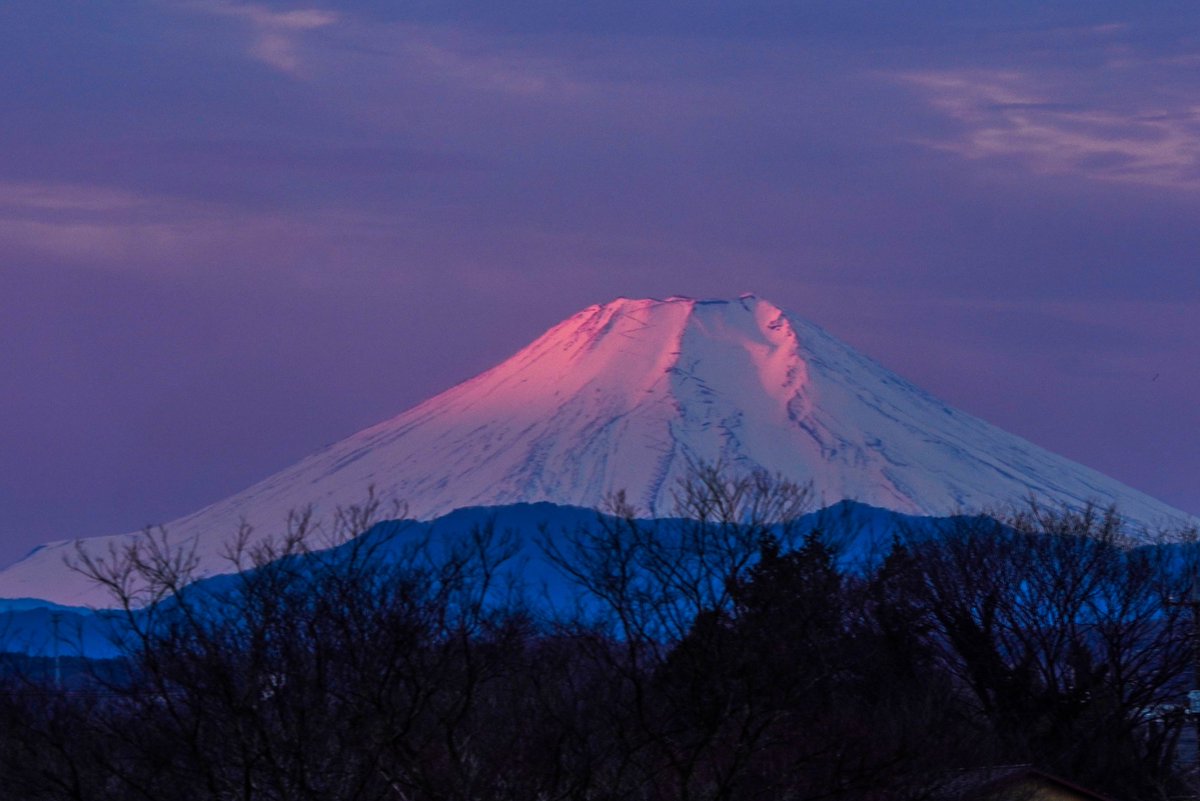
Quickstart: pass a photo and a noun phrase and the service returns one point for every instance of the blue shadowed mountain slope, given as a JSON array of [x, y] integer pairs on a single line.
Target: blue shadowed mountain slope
[[860, 533]]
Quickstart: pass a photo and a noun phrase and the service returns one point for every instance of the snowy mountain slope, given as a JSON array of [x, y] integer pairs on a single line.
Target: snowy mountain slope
[[627, 395]]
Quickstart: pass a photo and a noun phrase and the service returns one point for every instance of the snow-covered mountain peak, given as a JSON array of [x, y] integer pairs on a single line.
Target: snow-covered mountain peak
[[630, 345], [631, 395]]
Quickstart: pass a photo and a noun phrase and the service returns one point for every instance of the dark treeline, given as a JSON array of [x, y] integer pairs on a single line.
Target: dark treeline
[[728, 657]]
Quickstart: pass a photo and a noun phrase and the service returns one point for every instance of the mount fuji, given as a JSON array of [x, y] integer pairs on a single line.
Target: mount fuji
[[631, 395]]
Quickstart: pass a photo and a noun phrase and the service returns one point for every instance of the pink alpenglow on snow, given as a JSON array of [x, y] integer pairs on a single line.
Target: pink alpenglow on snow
[[629, 395]]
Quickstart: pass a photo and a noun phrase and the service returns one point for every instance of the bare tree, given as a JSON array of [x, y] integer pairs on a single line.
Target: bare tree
[[727, 653], [1059, 633]]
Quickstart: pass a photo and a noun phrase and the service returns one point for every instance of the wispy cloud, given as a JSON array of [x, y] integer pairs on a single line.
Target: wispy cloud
[[484, 66], [97, 244], [36, 196], [275, 35], [1003, 114], [93, 223], [113, 229], [108, 227]]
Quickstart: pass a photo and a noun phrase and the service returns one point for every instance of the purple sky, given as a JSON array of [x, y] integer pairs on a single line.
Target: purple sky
[[231, 233]]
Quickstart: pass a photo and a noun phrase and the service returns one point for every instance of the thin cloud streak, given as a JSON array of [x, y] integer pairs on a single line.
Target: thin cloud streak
[[40, 196], [106, 228], [275, 34], [1002, 115], [511, 73]]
